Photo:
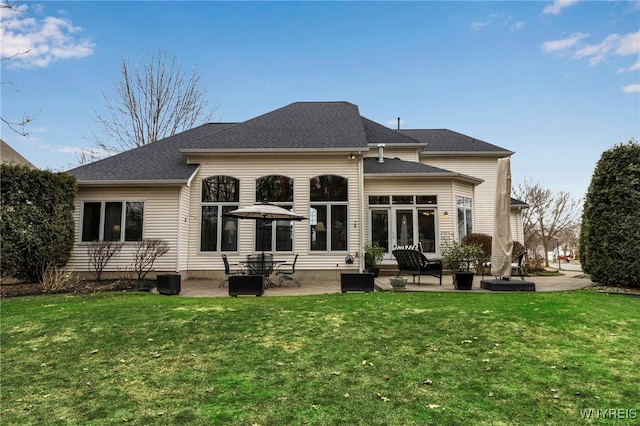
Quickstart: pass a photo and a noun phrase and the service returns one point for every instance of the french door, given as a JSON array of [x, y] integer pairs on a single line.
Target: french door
[[400, 226]]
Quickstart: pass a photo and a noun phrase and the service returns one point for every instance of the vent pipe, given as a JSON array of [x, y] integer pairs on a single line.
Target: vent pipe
[[398, 123], [380, 153]]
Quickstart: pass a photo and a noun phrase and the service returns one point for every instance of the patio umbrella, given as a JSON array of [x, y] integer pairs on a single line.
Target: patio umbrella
[[264, 211], [502, 244]]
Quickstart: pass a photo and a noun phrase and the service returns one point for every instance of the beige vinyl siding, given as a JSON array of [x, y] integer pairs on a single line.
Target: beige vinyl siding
[[160, 221], [406, 154], [248, 168], [183, 228], [484, 196]]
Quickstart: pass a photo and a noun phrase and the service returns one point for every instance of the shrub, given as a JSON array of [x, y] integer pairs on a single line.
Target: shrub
[[482, 240], [36, 211], [147, 251], [99, 254], [610, 232], [58, 280]]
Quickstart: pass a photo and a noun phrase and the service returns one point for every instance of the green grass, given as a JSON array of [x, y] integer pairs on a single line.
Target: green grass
[[343, 359]]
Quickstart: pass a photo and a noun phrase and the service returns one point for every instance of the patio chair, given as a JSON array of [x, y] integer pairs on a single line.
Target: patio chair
[[237, 270], [286, 271], [516, 266]]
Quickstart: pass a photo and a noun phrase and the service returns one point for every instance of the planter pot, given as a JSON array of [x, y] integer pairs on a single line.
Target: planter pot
[[464, 280], [398, 282], [252, 285], [168, 284], [356, 282], [374, 270]]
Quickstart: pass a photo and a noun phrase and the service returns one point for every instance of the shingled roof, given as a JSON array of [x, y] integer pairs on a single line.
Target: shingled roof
[[448, 141], [300, 126], [402, 168]]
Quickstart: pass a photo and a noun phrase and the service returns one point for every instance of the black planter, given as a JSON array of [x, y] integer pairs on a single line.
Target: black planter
[[464, 280], [250, 285], [374, 270], [356, 282], [168, 284]]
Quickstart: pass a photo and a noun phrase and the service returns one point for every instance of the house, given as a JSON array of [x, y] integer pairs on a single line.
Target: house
[[354, 179], [8, 155]]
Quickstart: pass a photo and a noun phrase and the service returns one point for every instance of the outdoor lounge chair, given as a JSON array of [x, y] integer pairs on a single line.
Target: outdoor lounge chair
[[516, 266], [416, 263], [228, 271]]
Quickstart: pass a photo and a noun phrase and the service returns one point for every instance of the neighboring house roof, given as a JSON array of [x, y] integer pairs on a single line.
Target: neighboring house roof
[[300, 126], [443, 141], [9, 155], [518, 203]]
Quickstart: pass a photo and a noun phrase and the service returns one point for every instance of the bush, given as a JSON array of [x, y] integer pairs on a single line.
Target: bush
[[147, 251], [36, 211], [610, 232], [99, 254], [482, 240]]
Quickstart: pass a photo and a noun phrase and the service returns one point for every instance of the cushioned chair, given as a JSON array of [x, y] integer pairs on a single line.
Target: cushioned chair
[[286, 271], [228, 271], [517, 268]]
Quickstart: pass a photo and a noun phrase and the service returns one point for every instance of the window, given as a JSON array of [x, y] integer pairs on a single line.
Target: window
[[328, 215], [465, 216], [278, 190], [220, 195], [103, 220]]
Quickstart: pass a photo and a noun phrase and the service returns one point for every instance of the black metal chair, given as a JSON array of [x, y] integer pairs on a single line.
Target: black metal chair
[[286, 271], [228, 272]]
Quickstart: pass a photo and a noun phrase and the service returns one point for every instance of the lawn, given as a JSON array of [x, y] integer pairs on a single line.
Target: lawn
[[352, 359]]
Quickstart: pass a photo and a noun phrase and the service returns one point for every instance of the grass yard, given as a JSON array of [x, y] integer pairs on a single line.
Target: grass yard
[[351, 359]]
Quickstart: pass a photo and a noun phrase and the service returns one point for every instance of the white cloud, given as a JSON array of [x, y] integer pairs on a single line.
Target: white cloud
[[501, 19], [629, 44], [613, 44], [557, 6], [632, 88], [36, 43], [564, 44], [598, 52], [634, 67]]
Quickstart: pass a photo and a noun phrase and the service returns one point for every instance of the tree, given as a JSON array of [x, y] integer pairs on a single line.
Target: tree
[[36, 226], [610, 234], [149, 104], [548, 215]]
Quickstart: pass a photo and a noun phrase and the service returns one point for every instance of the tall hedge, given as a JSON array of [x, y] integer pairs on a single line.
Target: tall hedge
[[36, 214], [610, 234]]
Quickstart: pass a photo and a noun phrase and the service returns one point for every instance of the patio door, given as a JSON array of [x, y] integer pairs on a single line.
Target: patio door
[[403, 234], [392, 227]]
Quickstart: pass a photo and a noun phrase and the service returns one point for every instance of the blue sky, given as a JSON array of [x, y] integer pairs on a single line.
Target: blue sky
[[556, 82]]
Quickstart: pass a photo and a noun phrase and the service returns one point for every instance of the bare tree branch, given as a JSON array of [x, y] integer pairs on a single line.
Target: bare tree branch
[[548, 217], [149, 104]]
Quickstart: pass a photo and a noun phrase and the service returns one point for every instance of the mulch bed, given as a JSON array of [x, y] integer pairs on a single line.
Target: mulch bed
[[83, 287]]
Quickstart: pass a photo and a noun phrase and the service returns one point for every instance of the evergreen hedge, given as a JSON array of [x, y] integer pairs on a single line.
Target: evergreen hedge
[[36, 214], [610, 233]]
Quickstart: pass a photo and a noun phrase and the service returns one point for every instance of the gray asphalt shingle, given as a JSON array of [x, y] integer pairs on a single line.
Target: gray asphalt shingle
[[299, 126]]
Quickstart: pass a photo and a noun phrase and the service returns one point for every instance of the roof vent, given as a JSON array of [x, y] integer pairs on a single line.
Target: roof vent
[[380, 153]]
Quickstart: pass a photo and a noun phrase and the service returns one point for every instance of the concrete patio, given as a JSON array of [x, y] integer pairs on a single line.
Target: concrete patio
[[571, 280]]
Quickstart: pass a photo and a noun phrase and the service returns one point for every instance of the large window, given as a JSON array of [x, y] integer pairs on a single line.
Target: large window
[[465, 216], [328, 215], [276, 234], [220, 195], [104, 220]]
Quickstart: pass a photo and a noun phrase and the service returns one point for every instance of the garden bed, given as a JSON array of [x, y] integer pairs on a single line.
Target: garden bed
[[83, 287]]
